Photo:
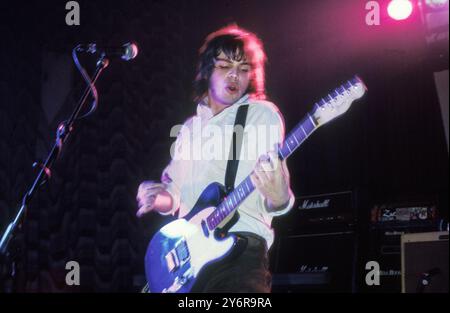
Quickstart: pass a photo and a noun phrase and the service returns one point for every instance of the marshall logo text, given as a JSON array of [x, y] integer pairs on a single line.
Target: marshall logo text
[[307, 204]]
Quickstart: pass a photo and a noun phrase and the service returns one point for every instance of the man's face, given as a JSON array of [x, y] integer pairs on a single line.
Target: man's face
[[229, 80]]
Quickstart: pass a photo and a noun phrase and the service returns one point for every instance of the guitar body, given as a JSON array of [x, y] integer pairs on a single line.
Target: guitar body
[[180, 250]]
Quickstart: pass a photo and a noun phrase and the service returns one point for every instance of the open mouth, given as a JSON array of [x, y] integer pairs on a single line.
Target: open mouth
[[232, 88]]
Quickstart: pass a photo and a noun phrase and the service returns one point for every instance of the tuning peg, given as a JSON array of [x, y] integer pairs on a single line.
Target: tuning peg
[[360, 82], [356, 80]]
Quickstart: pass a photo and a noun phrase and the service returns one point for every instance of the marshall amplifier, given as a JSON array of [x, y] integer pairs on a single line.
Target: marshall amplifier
[[321, 213], [316, 263]]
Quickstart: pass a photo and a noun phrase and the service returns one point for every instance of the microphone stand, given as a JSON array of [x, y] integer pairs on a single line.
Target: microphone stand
[[63, 132]]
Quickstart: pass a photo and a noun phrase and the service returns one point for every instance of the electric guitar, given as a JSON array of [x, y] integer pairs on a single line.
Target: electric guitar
[[182, 249]]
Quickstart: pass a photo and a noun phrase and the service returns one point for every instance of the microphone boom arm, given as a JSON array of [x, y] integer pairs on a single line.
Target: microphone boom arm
[[64, 130]]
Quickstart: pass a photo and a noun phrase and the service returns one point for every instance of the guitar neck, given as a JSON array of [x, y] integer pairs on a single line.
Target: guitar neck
[[295, 138], [333, 105]]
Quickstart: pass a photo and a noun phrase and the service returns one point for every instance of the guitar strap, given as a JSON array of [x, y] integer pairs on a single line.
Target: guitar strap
[[235, 148], [230, 173]]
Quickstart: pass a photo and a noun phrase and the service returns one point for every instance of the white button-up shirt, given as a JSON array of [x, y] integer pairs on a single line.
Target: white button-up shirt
[[200, 156]]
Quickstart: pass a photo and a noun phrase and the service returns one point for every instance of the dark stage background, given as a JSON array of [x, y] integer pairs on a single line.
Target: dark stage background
[[389, 147]]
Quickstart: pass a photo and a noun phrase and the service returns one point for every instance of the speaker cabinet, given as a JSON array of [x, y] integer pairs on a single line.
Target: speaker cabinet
[[315, 263], [425, 262], [384, 248]]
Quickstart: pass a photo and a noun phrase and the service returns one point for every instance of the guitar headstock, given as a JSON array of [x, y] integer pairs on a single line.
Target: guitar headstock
[[338, 101]]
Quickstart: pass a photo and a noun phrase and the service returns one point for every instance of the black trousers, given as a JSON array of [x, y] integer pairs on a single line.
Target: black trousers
[[247, 272]]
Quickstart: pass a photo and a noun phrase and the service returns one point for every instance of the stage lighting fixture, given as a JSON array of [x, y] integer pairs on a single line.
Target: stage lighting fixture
[[400, 9]]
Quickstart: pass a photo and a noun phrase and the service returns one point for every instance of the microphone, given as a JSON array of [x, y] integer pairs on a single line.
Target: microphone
[[126, 52]]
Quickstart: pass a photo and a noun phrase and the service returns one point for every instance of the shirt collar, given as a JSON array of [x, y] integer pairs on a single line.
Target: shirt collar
[[204, 111]]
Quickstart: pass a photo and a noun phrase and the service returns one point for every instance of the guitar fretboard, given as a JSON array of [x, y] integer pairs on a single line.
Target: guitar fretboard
[[295, 138]]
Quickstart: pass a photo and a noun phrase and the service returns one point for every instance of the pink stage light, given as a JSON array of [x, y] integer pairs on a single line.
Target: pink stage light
[[400, 9]]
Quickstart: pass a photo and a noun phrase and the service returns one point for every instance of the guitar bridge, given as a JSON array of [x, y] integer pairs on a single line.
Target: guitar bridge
[[179, 282]]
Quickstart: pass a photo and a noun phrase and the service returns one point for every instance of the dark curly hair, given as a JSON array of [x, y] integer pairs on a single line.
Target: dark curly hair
[[236, 43]]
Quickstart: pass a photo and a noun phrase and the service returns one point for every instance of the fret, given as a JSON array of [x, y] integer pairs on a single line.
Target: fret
[[225, 203], [290, 145], [237, 196], [283, 153], [208, 223], [310, 126], [241, 190], [300, 134], [221, 213], [216, 215], [289, 148], [224, 206], [249, 181], [246, 184], [248, 190], [230, 204], [227, 209], [293, 135], [306, 135], [224, 211], [234, 197], [230, 201], [312, 121]]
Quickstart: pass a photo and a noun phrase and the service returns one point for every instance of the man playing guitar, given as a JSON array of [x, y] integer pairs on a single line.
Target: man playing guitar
[[230, 75]]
